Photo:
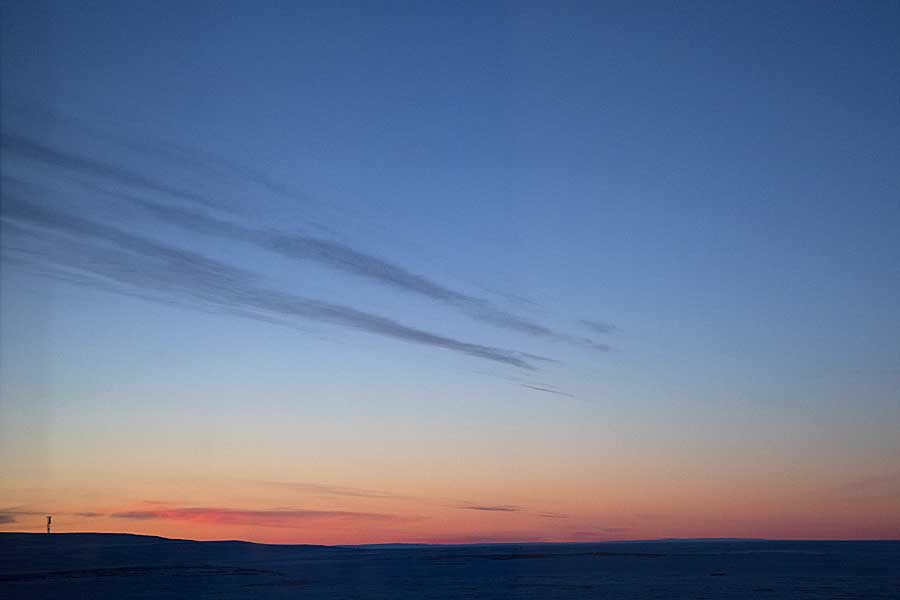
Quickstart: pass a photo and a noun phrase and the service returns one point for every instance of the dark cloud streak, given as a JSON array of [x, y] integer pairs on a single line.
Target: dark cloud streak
[[81, 165], [331, 490], [490, 508], [11, 515], [279, 517], [547, 390], [295, 246], [124, 258], [339, 256]]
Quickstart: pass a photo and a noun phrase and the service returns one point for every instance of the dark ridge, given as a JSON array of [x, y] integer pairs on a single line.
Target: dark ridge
[[42, 539]]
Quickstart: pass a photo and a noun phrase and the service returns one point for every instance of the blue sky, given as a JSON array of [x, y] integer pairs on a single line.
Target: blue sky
[[465, 186]]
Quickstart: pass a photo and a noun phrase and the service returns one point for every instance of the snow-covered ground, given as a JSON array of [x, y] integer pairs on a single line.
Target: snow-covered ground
[[126, 566]]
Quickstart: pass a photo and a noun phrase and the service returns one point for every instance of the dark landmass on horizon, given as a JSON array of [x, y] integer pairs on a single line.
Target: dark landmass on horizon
[[388, 545], [109, 565]]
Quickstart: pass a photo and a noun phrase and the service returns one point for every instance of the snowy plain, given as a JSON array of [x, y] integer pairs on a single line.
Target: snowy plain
[[131, 566]]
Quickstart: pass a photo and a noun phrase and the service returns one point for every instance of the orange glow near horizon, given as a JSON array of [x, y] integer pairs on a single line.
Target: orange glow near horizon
[[344, 515]]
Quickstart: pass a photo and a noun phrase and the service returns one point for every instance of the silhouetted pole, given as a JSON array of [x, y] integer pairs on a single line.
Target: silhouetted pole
[[49, 519]]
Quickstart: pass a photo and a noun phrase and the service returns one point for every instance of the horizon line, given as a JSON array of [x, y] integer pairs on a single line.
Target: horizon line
[[435, 544]]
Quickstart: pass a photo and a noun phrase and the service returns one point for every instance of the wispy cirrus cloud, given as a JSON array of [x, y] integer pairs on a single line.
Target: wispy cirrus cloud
[[490, 507], [109, 255], [11, 515], [547, 390], [552, 515], [342, 257], [332, 490], [74, 164], [194, 159], [539, 358], [355, 492], [102, 255], [297, 246], [275, 517]]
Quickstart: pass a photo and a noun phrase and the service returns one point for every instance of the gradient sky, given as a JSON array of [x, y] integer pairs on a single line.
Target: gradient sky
[[385, 272]]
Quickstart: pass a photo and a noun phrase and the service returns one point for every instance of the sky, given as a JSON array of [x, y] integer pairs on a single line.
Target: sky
[[451, 272]]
